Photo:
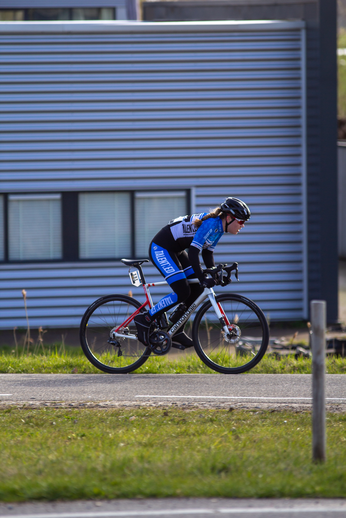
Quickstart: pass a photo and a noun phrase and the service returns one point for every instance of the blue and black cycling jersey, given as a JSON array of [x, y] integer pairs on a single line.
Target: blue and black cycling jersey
[[168, 253], [181, 234], [185, 233]]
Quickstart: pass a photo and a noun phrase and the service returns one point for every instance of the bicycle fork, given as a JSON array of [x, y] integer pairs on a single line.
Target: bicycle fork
[[225, 323]]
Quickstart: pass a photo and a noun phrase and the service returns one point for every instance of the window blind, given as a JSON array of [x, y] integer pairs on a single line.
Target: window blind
[[34, 227], [104, 225], [152, 212]]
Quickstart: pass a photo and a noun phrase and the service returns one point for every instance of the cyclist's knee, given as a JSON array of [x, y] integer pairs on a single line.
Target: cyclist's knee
[[182, 289]]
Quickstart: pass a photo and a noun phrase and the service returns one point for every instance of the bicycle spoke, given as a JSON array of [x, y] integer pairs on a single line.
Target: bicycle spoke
[[107, 352], [242, 346]]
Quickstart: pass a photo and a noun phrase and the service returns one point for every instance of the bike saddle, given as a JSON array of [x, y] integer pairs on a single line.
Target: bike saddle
[[134, 262]]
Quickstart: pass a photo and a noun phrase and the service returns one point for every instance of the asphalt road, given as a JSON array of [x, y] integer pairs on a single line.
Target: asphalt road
[[183, 389], [182, 508]]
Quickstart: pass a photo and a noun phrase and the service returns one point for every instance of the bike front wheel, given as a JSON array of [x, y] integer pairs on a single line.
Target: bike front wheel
[[243, 346], [118, 355]]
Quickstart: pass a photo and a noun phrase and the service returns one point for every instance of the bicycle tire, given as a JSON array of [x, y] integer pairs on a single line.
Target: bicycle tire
[[213, 348], [98, 320]]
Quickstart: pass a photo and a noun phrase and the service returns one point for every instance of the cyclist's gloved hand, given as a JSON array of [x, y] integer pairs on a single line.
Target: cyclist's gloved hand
[[208, 282]]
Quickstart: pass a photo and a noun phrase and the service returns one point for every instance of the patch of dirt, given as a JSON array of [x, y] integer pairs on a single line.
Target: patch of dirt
[[273, 407]]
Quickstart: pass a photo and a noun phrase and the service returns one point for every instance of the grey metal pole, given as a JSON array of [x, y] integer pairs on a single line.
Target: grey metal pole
[[318, 342], [132, 9]]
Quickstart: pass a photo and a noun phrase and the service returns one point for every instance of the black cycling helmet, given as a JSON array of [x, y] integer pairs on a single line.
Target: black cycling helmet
[[236, 208]]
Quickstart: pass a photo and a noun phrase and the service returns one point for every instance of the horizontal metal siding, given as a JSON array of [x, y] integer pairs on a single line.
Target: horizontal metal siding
[[218, 109]]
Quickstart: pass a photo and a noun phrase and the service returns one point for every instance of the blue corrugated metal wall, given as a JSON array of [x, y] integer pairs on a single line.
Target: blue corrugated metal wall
[[217, 108]]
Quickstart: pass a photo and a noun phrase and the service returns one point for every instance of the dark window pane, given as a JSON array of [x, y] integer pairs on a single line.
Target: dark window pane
[[48, 14]]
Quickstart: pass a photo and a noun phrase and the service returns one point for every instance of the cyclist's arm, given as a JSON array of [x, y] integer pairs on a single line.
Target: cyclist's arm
[[194, 261], [208, 258], [205, 232]]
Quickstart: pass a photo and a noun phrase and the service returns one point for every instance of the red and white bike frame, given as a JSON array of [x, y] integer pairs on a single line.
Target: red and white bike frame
[[118, 332]]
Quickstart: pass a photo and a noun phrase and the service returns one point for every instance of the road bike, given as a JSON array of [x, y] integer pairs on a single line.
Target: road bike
[[230, 332]]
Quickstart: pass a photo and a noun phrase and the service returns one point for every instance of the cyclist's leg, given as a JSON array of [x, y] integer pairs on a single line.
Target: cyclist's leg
[[180, 338], [182, 290], [176, 269], [169, 266], [196, 289]]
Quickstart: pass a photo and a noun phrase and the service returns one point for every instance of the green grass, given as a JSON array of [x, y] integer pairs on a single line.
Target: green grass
[[73, 454], [66, 360]]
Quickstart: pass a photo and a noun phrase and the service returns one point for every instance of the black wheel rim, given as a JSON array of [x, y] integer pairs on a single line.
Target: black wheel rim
[[246, 342], [108, 353]]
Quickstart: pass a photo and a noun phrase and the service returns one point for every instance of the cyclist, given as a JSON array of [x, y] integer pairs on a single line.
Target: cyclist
[[199, 232]]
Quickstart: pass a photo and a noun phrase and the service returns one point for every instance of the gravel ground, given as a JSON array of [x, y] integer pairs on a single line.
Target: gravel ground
[[207, 405]]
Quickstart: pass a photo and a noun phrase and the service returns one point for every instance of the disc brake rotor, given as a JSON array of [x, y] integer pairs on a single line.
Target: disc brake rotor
[[233, 335]]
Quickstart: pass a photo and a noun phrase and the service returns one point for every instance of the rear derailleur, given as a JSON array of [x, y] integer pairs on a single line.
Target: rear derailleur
[[113, 341]]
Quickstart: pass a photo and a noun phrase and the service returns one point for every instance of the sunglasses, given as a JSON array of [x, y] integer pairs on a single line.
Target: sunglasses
[[238, 221]]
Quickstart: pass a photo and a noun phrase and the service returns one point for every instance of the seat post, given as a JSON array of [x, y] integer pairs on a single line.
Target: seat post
[[136, 263], [141, 274]]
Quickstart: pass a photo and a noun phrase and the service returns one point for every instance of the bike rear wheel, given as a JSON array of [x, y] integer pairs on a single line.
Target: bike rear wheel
[[105, 314], [243, 347]]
